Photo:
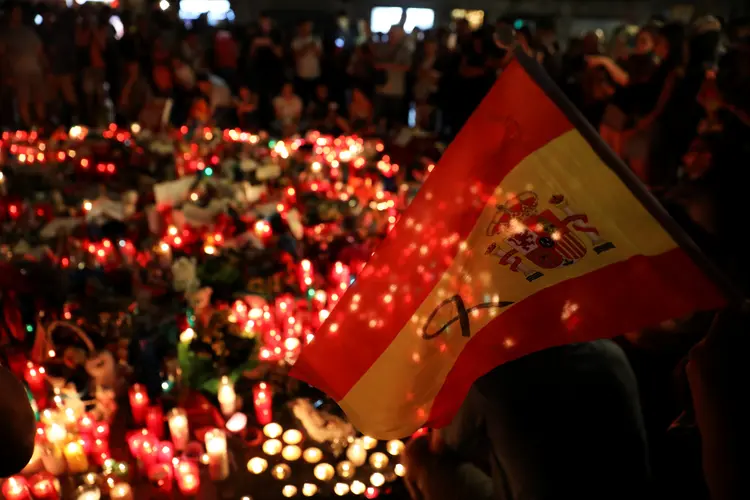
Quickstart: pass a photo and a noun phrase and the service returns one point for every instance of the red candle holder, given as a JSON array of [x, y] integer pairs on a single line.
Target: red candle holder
[[86, 424], [16, 488], [101, 431], [160, 476], [35, 378], [45, 486], [166, 452], [138, 403], [135, 441], [155, 421], [188, 479], [263, 400]]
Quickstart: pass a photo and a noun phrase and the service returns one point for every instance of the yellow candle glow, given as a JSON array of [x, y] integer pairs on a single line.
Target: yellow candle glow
[[178, 428], [369, 442], [400, 470], [358, 487], [56, 433], [121, 491], [309, 489], [289, 491], [218, 458], [226, 396], [291, 453], [257, 465], [324, 472], [272, 447], [292, 436], [357, 453], [377, 479], [394, 447], [379, 460], [281, 471], [345, 469], [273, 430], [312, 455], [341, 489], [76, 458]]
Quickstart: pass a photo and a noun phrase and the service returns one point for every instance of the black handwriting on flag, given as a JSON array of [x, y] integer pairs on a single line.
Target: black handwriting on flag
[[462, 316]]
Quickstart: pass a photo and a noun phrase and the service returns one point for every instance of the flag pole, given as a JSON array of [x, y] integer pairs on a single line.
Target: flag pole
[[733, 295]]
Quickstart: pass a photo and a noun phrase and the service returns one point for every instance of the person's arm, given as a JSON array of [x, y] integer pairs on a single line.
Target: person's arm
[[661, 103], [619, 75]]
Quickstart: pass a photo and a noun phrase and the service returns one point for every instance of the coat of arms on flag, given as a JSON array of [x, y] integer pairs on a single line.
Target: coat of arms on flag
[[527, 235]]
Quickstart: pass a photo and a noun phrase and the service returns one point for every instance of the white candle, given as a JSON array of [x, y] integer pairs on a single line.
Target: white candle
[[400, 470], [345, 469], [312, 455], [358, 487], [377, 479], [394, 447], [257, 465], [309, 489], [272, 447], [178, 428], [227, 397], [56, 433], [281, 471], [291, 453], [379, 460], [87, 492], [289, 491], [292, 436], [273, 430], [356, 453], [218, 458], [324, 472], [341, 489], [121, 491], [369, 442]]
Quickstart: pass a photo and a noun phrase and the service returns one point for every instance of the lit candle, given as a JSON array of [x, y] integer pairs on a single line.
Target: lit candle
[[379, 461], [86, 424], [44, 486], [273, 430], [188, 480], [237, 423], [35, 379], [166, 452], [291, 452], [345, 469], [226, 396], [178, 428], [394, 447], [324, 471], [400, 470], [56, 433], [281, 471], [357, 488], [101, 431], [135, 440], [122, 491], [372, 492], [75, 457], [16, 488], [263, 399], [312, 455], [289, 491], [272, 447], [341, 489], [369, 442], [357, 453], [309, 489], [155, 421], [160, 476], [377, 479], [87, 492], [150, 449], [218, 458], [257, 465], [138, 403], [292, 436]]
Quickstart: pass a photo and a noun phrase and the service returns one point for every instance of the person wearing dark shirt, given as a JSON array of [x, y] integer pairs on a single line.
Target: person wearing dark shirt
[[266, 69], [61, 51]]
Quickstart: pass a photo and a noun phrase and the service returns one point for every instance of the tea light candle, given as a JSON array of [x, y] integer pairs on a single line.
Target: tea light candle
[[377, 479], [309, 489], [86, 424], [291, 453], [56, 433], [160, 476], [273, 430], [187, 477], [289, 491], [356, 453], [272, 447], [263, 400], [341, 489], [400, 470], [324, 471], [16, 488], [178, 428], [122, 491], [281, 471], [75, 457], [155, 421], [218, 458], [87, 492], [226, 396], [394, 447], [369, 442], [345, 469], [166, 452], [357, 488], [138, 403], [379, 461], [257, 465], [44, 486], [292, 436], [312, 455]]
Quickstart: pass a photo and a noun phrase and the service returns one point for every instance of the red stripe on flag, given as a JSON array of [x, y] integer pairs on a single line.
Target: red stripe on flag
[[515, 119], [610, 302]]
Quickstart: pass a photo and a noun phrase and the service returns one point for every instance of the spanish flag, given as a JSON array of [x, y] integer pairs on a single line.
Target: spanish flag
[[528, 234]]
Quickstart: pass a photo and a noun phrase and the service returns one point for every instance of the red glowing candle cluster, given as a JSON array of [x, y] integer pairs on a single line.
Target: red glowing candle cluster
[[263, 401]]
